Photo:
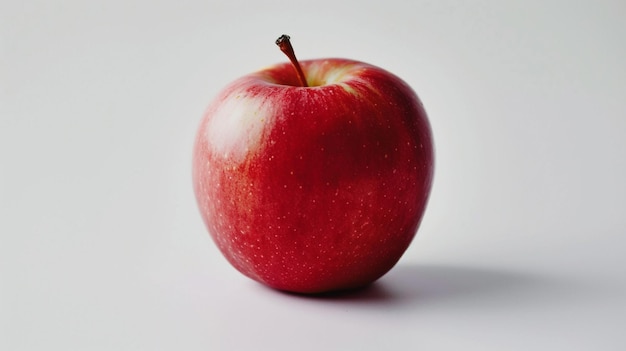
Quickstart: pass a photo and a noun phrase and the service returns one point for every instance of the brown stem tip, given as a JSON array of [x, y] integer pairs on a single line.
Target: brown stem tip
[[285, 46]]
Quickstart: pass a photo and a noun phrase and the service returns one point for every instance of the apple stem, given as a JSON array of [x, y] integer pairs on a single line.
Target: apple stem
[[285, 46]]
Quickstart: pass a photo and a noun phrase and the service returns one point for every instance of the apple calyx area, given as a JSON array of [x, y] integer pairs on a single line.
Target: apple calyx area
[[284, 43]]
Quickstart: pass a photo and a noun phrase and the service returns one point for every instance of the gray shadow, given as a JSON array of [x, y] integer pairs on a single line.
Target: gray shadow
[[412, 285]]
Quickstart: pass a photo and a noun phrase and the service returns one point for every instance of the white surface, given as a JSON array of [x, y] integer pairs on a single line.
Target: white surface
[[522, 246]]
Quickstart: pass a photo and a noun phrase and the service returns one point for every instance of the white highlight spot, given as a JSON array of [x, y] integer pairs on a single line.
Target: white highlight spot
[[236, 126]]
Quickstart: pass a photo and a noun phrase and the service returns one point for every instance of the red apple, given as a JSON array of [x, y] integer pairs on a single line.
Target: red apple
[[314, 179]]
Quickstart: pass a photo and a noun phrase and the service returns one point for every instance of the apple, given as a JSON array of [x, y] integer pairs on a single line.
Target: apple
[[313, 176]]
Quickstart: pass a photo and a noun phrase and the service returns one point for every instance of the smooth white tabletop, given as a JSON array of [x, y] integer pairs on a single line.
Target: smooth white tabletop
[[522, 246]]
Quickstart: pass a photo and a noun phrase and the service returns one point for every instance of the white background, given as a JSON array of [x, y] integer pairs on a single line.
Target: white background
[[522, 246]]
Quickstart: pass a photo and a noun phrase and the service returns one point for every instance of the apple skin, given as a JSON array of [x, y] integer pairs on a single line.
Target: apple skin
[[314, 189]]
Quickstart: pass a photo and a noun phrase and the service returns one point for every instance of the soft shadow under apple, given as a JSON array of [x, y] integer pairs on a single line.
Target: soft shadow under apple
[[413, 284]]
